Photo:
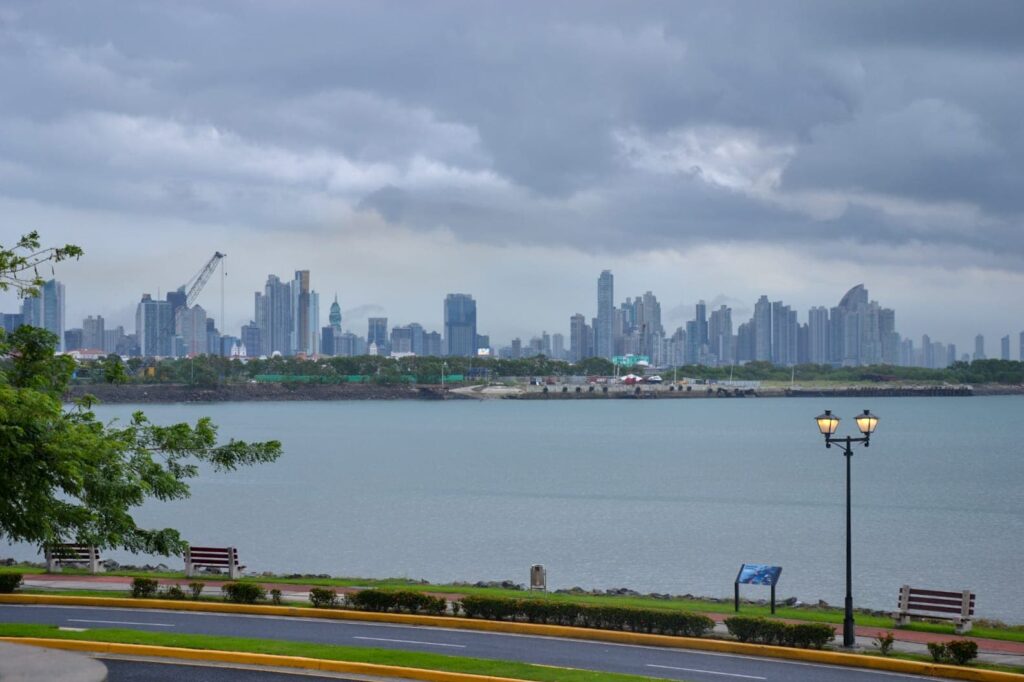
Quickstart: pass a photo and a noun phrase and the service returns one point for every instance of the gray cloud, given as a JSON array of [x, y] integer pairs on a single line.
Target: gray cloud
[[594, 127]]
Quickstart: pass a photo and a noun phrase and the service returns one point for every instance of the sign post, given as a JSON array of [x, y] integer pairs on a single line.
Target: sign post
[[756, 574]]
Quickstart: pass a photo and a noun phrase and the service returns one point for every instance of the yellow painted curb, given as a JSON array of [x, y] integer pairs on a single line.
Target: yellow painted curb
[[255, 659], [701, 644]]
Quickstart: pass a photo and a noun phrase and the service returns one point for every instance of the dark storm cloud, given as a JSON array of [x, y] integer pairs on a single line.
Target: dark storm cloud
[[593, 125]]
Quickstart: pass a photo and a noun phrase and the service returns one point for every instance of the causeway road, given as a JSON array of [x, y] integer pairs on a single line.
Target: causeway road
[[677, 664]]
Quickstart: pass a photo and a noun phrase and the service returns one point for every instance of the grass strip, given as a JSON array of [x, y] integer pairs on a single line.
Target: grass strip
[[815, 614], [330, 652]]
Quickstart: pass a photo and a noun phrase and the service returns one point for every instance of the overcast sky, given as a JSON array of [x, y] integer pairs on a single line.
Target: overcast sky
[[513, 150]]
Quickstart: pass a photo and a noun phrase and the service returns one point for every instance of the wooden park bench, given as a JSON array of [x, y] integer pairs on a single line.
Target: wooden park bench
[[213, 557], [60, 555], [954, 606]]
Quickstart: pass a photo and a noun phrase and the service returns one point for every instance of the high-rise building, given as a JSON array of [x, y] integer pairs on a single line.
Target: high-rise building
[[558, 347], [579, 338], [46, 310], [273, 316], [762, 330], [784, 334], [92, 332], [432, 344], [720, 337], [517, 348], [154, 322], [11, 321], [334, 317], [1004, 348], [818, 335], [115, 341], [305, 316], [73, 339], [401, 339], [252, 339], [460, 325], [377, 333], [192, 328], [605, 330], [979, 347]]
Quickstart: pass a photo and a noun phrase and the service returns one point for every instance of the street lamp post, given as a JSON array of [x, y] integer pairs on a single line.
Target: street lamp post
[[827, 425]]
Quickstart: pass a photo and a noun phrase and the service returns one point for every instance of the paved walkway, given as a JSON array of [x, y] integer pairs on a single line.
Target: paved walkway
[[991, 650]]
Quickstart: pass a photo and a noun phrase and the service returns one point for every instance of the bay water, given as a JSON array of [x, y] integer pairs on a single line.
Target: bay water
[[656, 495]]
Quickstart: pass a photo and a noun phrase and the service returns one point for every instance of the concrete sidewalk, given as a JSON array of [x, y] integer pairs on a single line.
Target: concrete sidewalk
[[910, 641]]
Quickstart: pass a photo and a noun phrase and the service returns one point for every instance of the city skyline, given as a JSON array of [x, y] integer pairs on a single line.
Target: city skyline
[[286, 320]]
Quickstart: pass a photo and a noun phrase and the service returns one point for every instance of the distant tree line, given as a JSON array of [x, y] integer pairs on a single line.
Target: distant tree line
[[206, 370]]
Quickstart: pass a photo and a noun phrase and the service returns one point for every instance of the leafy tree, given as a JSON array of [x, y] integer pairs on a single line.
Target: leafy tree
[[113, 370], [65, 475]]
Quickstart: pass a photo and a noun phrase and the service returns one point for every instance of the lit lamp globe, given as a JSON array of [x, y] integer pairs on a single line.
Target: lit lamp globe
[[867, 422], [827, 423]]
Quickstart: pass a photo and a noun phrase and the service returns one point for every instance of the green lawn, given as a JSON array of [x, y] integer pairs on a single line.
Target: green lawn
[[478, 666], [829, 615]]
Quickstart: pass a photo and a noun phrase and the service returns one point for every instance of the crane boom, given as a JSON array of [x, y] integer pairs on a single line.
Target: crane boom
[[202, 278], [194, 287]]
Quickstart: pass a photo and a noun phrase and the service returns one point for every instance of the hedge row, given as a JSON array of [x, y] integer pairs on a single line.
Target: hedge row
[[380, 600], [763, 631], [577, 615]]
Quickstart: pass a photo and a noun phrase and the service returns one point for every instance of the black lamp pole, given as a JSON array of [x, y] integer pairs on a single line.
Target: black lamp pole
[[827, 424]]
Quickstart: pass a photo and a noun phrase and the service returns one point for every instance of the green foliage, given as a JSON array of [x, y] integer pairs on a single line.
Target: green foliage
[[957, 652], [578, 615], [399, 601], [243, 593], [144, 588], [172, 592], [196, 589], [758, 630], [66, 476], [113, 370], [323, 597], [19, 265], [885, 642], [9, 582]]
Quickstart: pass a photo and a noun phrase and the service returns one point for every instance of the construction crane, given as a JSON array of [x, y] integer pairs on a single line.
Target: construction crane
[[193, 287]]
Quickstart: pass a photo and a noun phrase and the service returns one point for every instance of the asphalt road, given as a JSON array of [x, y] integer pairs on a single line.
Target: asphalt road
[[679, 664], [131, 670]]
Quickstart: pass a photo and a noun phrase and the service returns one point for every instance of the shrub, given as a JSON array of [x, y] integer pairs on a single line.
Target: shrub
[[885, 643], [9, 582], [601, 617], [400, 601], [243, 593], [811, 635], [322, 597], [758, 630], [958, 651], [275, 597], [172, 592], [144, 588], [196, 589]]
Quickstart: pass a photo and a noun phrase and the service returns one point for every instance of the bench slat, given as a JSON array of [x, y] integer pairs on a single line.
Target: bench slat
[[938, 600], [939, 609], [937, 593]]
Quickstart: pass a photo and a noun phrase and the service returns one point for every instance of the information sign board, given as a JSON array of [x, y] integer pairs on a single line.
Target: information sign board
[[756, 574]]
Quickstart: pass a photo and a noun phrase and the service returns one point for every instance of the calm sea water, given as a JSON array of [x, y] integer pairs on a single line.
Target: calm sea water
[[659, 495]]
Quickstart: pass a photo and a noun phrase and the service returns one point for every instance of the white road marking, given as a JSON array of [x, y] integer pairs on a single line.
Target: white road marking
[[72, 629], [411, 641], [706, 672], [119, 622]]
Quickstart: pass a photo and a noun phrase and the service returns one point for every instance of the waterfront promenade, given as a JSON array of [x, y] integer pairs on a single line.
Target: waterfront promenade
[[910, 641]]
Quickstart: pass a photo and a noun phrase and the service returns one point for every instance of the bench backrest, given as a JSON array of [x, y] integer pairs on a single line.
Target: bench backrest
[[71, 552], [213, 556], [936, 602]]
